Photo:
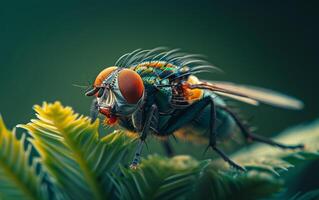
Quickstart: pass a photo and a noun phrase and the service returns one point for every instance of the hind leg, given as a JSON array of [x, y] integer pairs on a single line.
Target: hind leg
[[190, 113], [213, 137], [253, 137], [169, 151]]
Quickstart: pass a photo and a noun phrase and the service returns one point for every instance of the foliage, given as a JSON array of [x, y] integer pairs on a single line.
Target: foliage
[[314, 194], [18, 177], [277, 160], [78, 164]]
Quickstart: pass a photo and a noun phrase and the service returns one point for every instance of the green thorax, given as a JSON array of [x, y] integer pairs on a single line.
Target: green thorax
[[155, 73]]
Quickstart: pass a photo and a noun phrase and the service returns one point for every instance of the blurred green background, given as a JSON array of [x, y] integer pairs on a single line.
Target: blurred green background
[[46, 46]]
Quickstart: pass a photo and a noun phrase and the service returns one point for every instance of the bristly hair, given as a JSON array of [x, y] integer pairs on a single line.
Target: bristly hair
[[179, 59]]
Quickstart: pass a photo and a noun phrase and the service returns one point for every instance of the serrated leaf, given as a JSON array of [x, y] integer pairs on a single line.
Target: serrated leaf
[[276, 160], [160, 178], [185, 178], [72, 153], [310, 195], [18, 178], [80, 165]]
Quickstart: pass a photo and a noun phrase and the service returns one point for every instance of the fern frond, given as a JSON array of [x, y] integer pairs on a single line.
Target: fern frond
[[186, 178], [310, 195], [18, 177], [72, 153], [267, 158], [217, 184], [161, 178], [80, 165]]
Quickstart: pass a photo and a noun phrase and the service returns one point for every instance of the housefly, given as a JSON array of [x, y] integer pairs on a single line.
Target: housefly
[[156, 92]]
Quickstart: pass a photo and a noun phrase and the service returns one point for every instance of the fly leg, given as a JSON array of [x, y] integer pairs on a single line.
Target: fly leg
[[253, 137], [168, 148], [143, 136], [94, 110], [188, 114], [213, 137]]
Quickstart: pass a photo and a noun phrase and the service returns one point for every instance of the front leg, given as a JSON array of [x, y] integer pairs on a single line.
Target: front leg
[[94, 110], [143, 136]]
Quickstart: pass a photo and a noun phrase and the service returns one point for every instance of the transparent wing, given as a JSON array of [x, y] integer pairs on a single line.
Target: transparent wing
[[240, 98], [250, 94]]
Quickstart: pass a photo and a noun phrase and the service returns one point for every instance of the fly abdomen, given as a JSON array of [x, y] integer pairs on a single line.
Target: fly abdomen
[[225, 124], [198, 131]]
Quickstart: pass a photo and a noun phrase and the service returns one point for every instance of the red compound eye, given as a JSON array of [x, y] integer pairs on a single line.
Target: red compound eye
[[131, 85]]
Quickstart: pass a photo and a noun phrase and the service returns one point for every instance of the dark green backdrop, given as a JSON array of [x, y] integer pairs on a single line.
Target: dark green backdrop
[[45, 47]]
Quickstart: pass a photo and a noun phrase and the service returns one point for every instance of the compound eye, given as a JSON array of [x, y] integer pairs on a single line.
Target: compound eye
[[131, 85], [103, 75]]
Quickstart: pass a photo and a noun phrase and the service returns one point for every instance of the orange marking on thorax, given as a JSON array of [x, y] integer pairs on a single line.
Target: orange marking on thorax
[[155, 64], [192, 94]]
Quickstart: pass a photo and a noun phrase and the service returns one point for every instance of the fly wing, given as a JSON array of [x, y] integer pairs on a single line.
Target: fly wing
[[251, 94], [240, 98]]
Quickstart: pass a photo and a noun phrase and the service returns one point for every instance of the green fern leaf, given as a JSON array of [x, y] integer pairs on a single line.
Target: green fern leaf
[[77, 160], [18, 178], [309, 195], [185, 178], [217, 184], [83, 166], [267, 158], [162, 178]]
